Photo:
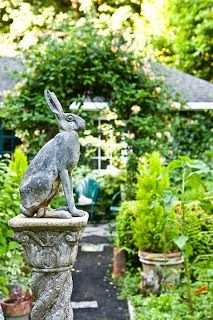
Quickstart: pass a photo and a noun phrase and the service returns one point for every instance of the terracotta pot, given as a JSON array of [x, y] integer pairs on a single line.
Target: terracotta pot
[[119, 262], [160, 269], [19, 310]]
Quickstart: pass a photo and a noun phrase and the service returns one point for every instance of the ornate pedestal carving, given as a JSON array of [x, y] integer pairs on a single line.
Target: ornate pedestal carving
[[50, 247]]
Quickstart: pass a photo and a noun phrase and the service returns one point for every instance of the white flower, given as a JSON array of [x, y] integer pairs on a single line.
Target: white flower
[[158, 135], [190, 121], [170, 152], [152, 76], [37, 132], [142, 159], [152, 142], [119, 123], [5, 92], [87, 132], [136, 108], [175, 105], [158, 90], [167, 134], [162, 78], [162, 160], [21, 84], [131, 135], [113, 171]]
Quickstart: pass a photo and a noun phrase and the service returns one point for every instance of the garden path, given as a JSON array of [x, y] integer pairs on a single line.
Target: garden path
[[94, 294]]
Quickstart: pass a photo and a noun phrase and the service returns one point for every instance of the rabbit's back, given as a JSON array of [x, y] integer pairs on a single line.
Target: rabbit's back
[[41, 181]]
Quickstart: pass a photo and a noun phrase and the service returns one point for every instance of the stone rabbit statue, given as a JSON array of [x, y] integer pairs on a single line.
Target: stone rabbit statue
[[51, 166]]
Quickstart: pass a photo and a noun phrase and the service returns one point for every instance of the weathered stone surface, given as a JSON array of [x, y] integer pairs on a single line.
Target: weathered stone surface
[[50, 247], [51, 166], [21, 222]]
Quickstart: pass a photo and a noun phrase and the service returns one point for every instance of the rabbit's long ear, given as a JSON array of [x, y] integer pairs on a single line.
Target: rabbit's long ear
[[53, 102]]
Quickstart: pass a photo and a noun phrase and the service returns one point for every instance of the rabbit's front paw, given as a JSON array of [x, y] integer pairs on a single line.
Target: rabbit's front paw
[[60, 214], [78, 213]]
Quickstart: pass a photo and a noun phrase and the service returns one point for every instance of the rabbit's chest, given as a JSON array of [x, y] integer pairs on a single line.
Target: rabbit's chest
[[76, 157], [68, 148], [73, 157]]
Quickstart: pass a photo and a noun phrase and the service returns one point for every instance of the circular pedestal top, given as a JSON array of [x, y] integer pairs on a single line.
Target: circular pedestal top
[[21, 222]]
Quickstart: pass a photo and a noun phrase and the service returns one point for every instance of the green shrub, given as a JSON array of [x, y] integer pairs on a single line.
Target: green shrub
[[171, 304], [23, 22], [124, 237], [192, 180], [82, 61], [11, 260], [198, 229], [124, 233], [155, 225], [186, 42]]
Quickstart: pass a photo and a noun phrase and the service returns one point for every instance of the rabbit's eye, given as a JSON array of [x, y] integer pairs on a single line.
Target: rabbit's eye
[[70, 118]]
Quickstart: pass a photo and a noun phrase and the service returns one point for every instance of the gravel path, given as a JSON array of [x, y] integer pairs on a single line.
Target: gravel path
[[92, 281]]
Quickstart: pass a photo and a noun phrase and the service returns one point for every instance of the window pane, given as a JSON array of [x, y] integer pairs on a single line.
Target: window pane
[[94, 164], [104, 164], [8, 143]]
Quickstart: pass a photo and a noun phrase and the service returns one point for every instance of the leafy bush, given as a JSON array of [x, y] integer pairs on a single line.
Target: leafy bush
[[11, 260], [145, 223], [155, 225], [192, 180], [23, 22], [198, 229], [172, 304], [124, 226], [82, 61], [187, 45], [192, 42]]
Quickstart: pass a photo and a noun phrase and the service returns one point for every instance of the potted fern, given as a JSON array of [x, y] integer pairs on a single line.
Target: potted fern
[[155, 225]]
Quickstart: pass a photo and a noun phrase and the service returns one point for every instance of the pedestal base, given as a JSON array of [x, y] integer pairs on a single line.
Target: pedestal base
[[50, 247]]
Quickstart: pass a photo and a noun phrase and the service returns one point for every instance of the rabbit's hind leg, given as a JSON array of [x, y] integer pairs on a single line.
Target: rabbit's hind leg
[[41, 213], [26, 212]]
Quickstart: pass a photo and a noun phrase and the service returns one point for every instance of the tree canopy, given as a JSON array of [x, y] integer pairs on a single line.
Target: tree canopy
[[178, 33]]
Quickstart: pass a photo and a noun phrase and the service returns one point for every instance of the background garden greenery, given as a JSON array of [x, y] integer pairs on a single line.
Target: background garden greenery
[[184, 186], [103, 49], [175, 32], [12, 266], [83, 61]]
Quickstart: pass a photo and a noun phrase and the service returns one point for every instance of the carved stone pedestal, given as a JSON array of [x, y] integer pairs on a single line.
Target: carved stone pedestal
[[50, 247]]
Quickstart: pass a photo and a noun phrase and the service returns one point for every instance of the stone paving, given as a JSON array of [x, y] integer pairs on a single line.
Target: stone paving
[[94, 294]]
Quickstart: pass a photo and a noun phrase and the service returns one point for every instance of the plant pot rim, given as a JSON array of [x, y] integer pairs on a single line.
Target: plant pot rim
[[13, 308], [13, 301], [150, 258], [118, 248]]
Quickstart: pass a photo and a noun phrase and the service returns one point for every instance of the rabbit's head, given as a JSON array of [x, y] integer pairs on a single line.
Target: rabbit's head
[[66, 121]]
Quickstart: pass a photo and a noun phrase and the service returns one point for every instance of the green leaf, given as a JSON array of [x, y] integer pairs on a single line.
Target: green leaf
[[175, 164], [181, 241], [169, 199], [13, 245]]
